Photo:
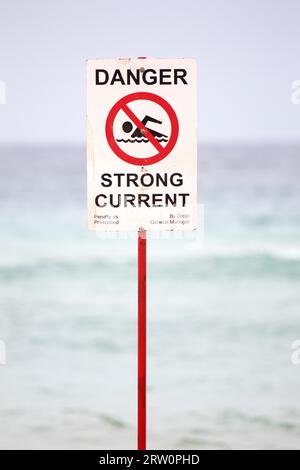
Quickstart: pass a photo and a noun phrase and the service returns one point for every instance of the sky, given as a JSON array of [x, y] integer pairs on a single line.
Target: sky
[[248, 54]]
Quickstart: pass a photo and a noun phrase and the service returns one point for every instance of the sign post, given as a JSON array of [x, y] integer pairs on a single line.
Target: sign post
[[141, 162], [142, 339]]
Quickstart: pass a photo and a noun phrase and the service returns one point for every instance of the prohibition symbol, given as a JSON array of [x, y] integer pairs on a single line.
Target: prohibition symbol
[[142, 133]]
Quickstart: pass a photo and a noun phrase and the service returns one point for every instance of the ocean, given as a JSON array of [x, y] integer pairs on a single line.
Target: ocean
[[223, 309]]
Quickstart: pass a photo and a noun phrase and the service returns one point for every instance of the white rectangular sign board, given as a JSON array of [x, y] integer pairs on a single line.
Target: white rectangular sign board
[[141, 144]]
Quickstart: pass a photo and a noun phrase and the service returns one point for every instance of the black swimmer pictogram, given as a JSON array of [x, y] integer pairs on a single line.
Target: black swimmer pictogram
[[139, 135]]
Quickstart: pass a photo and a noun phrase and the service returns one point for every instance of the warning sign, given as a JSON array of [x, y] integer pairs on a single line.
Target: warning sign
[[142, 144]]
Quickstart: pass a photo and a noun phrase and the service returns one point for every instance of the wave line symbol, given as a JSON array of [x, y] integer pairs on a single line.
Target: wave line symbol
[[163, 139]]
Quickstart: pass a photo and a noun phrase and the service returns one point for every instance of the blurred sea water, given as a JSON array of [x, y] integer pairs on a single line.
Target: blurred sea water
[[223, 310]]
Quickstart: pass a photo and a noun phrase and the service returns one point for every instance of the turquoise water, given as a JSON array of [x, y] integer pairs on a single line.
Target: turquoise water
[[223, 310]]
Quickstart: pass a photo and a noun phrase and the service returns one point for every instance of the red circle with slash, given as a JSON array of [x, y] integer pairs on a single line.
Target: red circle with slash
[[162, 152]]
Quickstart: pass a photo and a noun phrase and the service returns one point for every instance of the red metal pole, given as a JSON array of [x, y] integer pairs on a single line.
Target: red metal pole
[[142, 338]]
